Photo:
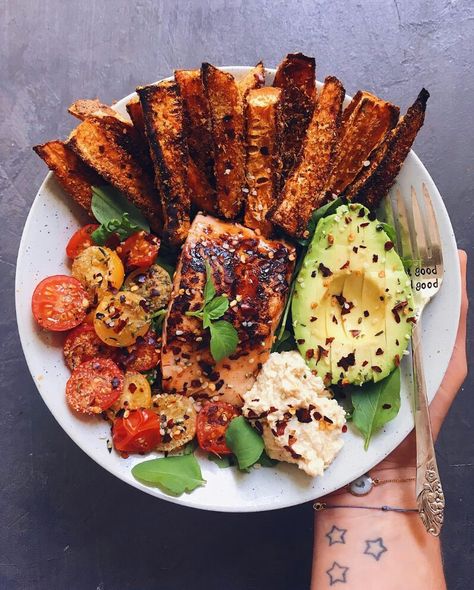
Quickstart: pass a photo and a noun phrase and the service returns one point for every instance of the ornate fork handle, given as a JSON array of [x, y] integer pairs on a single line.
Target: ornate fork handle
[[429, 492]]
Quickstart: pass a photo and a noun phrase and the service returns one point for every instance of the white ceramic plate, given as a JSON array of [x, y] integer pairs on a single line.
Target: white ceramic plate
[[52, 220]]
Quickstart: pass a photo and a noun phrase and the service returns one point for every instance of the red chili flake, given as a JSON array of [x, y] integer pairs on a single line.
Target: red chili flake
[[132, 388], [313, 318], [293, 453], [397, 309], [347, 219], [396, 360], [411, 320], [388, 245], [303, 415], [346, 306], [328, 420], [334, 320], [355, 249], [397, 342], [379, 333], [347, 361], [310, 353], [329, 340], [344, 428], [327, 378], [379, 351], [314, 273], [317, 416], [375, 258], [345, 265], [376, 369], [301, 341], [196, 383], [387, 406], [355, 333], [365, 363], [365, 224], [366, 314], [322, 353], [325, 271]]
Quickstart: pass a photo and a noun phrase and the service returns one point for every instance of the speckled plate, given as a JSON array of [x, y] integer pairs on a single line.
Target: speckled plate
[[52, 220]]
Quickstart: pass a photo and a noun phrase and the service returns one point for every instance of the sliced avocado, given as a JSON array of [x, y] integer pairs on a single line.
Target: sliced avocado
[[352, 307]]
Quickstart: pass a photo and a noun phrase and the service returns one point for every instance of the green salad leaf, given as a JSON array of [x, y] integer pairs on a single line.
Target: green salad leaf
[[174, 475], [318, 214], [115, 214], [266, 461], [157, 320], [389, 230], [375, 404], [223, 462], [224, 337], [244, 441]]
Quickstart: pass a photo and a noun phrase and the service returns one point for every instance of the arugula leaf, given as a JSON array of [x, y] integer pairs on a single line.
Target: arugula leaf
[[375, 404], [224, 339], [244, 441], [209, 287], [122, 227], [108, 203], [174, 475], [266, 461], [223, 462]]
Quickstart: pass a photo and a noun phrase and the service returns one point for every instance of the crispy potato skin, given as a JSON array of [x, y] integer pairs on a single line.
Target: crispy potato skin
[[254, 79], [263, 165], [374, 181], [227, 120], [296, 76], [363, 128], [164, 125], [198, 118], [73, 175], [107, 145], [303, 188], [85, 107]]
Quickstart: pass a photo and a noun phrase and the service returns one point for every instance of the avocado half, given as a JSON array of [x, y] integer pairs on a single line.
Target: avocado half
[[352, 308]]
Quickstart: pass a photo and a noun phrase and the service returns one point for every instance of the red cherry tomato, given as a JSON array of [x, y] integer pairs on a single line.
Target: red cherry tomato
[[144, 355], [59, 303], [211, 426], [81, 240], [94, 386], [139, 432], [83, 344], [139, 250]]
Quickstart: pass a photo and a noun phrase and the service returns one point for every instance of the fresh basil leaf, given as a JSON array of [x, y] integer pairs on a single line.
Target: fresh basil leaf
[[209, 287], [224, 339], [174, 475], [217, 307], [244, 441], [266, 461], [223, 462], [109, 203], [375, 404], [122, 227], [388, 229], [317, 215]]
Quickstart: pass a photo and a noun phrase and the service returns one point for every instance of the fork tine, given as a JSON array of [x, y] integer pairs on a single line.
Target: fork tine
[[420, 243], [403, 226], [432, 226]]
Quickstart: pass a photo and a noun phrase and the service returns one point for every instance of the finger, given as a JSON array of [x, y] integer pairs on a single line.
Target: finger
[[457, 368]]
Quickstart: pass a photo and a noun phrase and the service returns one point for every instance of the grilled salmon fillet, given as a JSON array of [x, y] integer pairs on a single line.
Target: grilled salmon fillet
[[255, 274]]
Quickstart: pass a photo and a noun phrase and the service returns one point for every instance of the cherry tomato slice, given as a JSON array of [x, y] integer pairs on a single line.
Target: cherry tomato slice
[[139, 250], [144, 355], [138, 432], [94, 386], [83, 344], [81, 240], [59, 303], [211, 426]]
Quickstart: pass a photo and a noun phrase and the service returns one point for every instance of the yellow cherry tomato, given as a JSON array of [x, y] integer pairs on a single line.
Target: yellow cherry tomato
[[120, 319], [99, 269], [136, 393]]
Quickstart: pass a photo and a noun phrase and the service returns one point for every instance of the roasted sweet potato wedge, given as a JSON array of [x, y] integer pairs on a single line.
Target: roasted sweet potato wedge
[[85, 107], [363, 129], [254, 79], [196, 108], [108, 146], [203, 196], [164, 126], [375, 180], [302, 189], [227, 122], [134, 110], [296, 76], [73, 175], [263, 131]]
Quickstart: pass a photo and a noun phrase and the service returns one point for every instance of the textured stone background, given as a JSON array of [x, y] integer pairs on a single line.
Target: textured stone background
[[66, 523]]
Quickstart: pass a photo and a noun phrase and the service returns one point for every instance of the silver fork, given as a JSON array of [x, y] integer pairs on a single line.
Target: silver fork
[[419, 239]]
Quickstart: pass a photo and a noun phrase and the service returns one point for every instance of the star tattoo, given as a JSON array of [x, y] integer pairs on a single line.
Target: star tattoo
[[336, 535], [375, 548], [337, 573]]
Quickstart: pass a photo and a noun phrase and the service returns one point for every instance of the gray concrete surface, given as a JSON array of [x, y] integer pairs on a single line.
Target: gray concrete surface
[[66, 523]]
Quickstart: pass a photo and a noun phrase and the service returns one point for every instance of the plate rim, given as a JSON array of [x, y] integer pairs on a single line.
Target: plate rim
[[276, 503]]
